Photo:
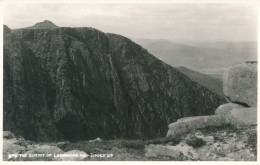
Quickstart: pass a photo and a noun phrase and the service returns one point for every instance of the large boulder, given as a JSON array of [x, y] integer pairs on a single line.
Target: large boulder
[[226, 108], [158, 150], [240, 83], [189, 123], [243, 116], [237, 117]]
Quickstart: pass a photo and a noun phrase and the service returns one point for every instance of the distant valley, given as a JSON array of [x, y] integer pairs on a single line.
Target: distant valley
[[206, 57], [212, 83]]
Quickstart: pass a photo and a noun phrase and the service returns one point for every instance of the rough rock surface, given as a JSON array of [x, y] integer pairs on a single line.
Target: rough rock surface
[[244, 116], [239, 117], [155, 150], [224, 144], [240, 83], [226, 108], [187, 124], [80, 83]]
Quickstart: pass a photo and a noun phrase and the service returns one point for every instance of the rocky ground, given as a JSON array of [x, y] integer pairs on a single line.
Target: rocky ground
[[223, 143]]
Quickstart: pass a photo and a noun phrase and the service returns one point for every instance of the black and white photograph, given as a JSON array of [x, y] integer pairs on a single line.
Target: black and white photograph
[[129, 81]]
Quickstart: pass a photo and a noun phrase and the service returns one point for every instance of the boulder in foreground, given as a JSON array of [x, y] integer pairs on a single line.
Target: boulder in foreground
[[238, 117], [187, 124], [243, 116], [226, 108], [240, 83]]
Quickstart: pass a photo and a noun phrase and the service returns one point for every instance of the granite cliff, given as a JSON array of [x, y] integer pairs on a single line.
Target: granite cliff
[[80, 83]]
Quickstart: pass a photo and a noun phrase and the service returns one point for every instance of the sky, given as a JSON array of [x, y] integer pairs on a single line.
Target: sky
[[210, 22]]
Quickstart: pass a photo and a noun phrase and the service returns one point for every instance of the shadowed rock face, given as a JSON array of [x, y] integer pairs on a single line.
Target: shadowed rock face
[[79, 83]]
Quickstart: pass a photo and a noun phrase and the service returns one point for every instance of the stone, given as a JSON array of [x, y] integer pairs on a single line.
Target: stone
[[189, 123], [96, 140], [159, 150], [207, 139], [226, 108], [243, 116], [72, 155], [62, 144], [8, 134], [240, 83]]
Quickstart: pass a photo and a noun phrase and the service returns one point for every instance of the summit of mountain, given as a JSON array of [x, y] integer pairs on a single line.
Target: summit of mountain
[[46, 24]]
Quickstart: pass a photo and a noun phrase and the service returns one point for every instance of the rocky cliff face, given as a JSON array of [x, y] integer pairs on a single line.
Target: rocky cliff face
[[80, 83]]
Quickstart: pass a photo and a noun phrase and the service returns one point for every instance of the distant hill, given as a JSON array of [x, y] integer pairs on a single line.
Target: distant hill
[[206, 57], [212, 83]]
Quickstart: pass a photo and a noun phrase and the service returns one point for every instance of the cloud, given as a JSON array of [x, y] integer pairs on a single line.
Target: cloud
[[230, 22]]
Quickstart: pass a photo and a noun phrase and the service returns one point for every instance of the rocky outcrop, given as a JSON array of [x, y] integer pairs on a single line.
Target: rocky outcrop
[[80, 83], [240, 86], [244, 116], [240, 83], [221, 144], [226, 108]]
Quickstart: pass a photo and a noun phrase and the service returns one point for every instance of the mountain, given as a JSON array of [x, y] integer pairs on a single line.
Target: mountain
[[212, 83], [205, 57], [43, 25], [80, 83]]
